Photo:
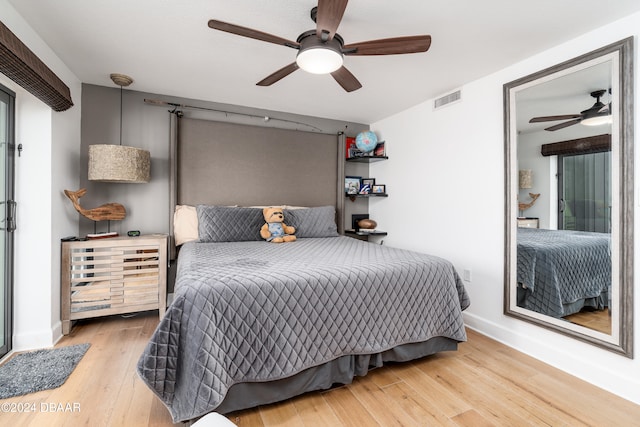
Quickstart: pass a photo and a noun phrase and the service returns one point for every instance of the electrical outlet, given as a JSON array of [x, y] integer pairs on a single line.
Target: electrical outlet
[[467, 275]]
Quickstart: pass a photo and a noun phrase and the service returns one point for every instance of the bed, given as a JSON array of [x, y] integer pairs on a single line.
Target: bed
[[253, 322], [560, 271]]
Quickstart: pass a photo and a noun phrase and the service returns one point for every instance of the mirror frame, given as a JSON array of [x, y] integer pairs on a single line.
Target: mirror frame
[[621, 343]]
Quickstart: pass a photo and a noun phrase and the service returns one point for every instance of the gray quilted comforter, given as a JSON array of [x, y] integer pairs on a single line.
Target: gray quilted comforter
[[257, 311], [559, 268]]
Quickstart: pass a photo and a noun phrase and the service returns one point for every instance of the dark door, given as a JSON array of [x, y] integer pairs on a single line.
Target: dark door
[[585, 192], [7, 215]]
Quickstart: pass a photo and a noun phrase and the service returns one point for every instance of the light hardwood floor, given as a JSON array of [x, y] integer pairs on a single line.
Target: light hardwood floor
[[599, 320], [484, 383]]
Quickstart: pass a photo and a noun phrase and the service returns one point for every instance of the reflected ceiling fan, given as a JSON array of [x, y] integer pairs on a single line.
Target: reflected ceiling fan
[[598, 114], [322, 50]]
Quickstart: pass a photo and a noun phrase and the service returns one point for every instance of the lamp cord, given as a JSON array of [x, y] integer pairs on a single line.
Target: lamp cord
[[120, 115]]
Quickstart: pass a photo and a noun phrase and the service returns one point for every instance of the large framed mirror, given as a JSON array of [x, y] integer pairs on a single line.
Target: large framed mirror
[[569, 197]]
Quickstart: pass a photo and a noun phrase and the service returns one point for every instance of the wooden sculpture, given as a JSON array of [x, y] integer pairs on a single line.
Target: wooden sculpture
[[106, 212], [525, 206]]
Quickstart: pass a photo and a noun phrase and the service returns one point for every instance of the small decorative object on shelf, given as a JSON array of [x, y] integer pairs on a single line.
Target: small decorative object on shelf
[[108, 211], [367, 224], [363, 227], [366, 141], [364, 146], [93, 236], [350, 147], [524, 206]]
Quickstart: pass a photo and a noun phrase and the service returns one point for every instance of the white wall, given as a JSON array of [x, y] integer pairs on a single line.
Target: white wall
[[445, 174], [48, 164]]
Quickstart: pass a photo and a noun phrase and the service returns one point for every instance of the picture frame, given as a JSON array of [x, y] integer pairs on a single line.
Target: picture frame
[[365, 189], [380, 150], [352, 184], [379, 189], [366, 185], [368, 181]]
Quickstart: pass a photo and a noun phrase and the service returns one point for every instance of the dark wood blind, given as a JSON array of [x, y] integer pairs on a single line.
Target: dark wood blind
[[591, 144], [21, 65]]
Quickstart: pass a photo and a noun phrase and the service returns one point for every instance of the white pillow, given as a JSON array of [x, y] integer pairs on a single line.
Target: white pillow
[[185, 224]]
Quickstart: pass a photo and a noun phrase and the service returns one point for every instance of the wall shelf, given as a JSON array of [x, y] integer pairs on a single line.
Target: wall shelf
[[366, 159], [366, 233], [353, 197]]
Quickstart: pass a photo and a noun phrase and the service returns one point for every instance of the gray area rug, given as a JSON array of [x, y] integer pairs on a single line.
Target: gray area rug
[[39, 370]]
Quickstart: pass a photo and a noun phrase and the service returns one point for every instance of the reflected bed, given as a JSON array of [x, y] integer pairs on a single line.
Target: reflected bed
[[561, 271]]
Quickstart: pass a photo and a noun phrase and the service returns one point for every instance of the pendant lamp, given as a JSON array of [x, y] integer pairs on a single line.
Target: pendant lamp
[[119, 163]]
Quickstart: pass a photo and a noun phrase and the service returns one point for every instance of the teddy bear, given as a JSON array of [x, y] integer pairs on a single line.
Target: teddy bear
[[275, 230]]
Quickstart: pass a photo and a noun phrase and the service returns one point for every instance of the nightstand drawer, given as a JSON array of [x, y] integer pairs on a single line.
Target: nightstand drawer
[[529, 222]]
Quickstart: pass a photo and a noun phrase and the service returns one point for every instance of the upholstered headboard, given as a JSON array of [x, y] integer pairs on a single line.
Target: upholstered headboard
[[218, 163]]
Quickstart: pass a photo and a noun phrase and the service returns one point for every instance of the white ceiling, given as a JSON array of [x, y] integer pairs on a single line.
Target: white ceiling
[[166, 46], [568, 94]]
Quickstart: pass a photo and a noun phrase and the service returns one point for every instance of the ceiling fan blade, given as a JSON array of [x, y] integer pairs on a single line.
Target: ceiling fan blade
[[563, 125], [554, 118], [328, 18], [251, 33], [346, 79], [278, 75], [394, 46]]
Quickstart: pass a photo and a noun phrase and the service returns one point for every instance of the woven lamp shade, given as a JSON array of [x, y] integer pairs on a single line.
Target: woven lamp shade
[[119, 163], [525, 178]]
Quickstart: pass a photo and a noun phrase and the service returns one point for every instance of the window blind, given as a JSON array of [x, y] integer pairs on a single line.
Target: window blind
[[22, 66]]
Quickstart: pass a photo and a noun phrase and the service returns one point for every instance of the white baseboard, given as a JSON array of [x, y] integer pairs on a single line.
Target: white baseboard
[[33, 340]]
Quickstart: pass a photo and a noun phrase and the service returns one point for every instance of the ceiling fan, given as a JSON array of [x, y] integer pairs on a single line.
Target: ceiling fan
[[322, 50], [597, 114]]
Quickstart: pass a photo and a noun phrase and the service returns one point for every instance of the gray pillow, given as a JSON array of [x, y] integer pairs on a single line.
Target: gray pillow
[[313, 222], [228, 224]]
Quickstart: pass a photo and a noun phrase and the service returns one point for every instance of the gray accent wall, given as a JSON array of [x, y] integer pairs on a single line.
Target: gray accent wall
[[148, 127]]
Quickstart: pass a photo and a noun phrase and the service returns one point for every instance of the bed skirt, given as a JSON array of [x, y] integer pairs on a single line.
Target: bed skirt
[[339, 371], [599, 302]]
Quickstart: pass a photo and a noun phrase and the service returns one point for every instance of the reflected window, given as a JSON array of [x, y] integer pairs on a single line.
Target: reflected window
[[584, 190]]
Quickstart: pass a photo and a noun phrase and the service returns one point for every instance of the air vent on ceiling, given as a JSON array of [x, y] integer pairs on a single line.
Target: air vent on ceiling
[[447, 99]]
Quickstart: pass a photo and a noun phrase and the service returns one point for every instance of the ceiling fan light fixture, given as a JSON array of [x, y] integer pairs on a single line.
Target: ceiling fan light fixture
[[319, 60], [317, 56], [599, 120]]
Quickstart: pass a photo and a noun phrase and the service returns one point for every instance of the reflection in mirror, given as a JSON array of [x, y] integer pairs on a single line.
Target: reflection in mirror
[[569, 191]]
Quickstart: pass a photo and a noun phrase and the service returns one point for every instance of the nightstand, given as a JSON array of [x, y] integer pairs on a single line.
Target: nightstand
[[113, 275], [529, 222]]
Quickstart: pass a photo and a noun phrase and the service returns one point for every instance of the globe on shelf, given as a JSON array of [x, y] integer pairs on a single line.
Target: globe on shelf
[[366, 141]]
